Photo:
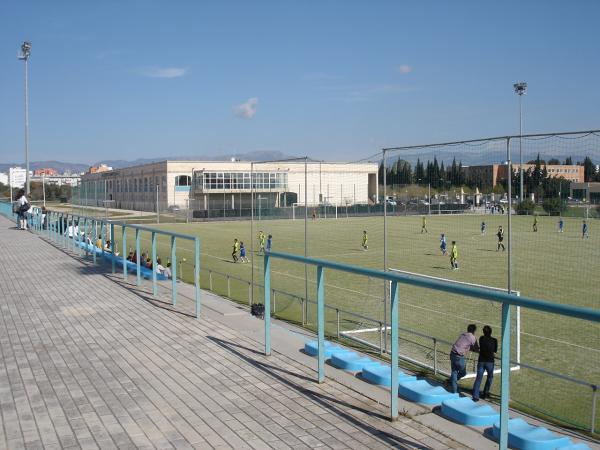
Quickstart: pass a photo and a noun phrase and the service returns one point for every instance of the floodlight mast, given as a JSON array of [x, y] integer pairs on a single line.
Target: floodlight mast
[[24, 56], [520, 90]]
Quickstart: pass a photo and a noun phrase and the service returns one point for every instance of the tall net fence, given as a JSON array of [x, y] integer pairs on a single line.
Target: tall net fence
[[459, 193]]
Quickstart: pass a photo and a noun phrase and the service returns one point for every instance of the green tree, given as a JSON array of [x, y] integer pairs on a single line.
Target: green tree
[[526, 207], [589, 169], [553, 206]]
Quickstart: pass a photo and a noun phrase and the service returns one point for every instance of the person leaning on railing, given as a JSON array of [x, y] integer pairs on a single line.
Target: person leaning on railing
[[465, 343]]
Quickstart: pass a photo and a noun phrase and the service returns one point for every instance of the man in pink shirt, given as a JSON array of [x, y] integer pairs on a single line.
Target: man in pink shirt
[[465, 343]]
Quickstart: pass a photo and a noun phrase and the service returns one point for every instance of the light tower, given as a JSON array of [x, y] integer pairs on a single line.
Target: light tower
[[520, 90], [24, 56]]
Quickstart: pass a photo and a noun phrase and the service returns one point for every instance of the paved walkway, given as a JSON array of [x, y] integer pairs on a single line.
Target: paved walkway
[[89, 363]]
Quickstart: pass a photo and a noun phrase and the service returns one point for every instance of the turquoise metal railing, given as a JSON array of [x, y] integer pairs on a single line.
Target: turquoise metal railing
[[73, 232], [505, 298]]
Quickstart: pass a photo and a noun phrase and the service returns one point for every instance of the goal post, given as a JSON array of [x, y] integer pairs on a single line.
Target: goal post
[[428, 350]]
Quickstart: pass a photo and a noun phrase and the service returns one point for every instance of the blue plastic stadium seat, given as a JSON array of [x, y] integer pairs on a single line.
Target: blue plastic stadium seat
[[523, 436], [464, 410], [381, 374], [422, 391], [351, 361], [312, 348]]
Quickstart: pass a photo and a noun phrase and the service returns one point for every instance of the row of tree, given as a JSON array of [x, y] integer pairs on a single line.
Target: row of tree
[[536, 179], [53, 192], [434, 173]]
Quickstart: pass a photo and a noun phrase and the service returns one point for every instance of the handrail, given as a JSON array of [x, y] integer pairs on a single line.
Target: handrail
[[589, 314], [507, 299]]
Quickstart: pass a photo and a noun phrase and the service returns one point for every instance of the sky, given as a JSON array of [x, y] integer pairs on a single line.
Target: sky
[[334, 80]]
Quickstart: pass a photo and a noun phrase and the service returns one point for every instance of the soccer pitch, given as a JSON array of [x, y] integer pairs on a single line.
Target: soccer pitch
[[560, 267]]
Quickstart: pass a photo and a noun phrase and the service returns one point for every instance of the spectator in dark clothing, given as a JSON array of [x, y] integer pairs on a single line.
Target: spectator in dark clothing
[[488, 346]]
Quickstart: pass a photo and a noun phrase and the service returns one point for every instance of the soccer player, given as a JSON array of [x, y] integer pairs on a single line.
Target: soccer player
[[483, 227], [443, 244], [365, 241], [269, 243], [424, 225], [584, 230], [454, 256], [235, 249], [535, 222], [261, 242], [243, 253], [561, 225], [314, 214], [500, 235]]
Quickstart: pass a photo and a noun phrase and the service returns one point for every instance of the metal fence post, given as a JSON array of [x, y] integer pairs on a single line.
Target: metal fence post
[[197, 274], [394, 349], [303, 311], [267, 305], [113, 247], [228, 287], [210, 284], [505, 376], [154, 285], [380, 338], [173, 270], [435, 356], [337, 319], [321, 322], [249, 293], [594, 398], [137, 258], [95, 236], [124, 249]]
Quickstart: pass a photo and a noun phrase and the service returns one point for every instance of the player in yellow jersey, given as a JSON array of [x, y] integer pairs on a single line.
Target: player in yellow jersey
[[454, 256]]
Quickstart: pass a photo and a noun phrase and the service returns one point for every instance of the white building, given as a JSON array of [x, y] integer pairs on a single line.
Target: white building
[[4, 178], [225, 185], [17, 177]]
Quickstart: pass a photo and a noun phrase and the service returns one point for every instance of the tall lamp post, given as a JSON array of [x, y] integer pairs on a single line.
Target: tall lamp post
[[520, 90], [24, 56]]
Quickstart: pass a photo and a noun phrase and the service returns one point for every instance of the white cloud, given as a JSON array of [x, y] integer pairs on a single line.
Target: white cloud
[[246, 110], [405, 68], [164, 72]]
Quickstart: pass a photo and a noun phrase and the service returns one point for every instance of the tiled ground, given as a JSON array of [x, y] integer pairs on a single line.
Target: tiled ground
[[87, 363]]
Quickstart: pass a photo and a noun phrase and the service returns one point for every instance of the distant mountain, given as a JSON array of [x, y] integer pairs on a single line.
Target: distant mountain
[[62, 166]]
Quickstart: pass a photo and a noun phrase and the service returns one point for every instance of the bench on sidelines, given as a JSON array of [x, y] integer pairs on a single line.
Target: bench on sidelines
[[380, 374], [351, 361], [131, 267], [462, 410], [467, 412], [524, 436]]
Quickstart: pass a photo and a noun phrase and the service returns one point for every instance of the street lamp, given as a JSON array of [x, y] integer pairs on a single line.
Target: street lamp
[[520, 90], [24, 56]]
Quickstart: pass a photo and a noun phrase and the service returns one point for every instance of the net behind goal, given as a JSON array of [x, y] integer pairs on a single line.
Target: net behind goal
[[431, 321]]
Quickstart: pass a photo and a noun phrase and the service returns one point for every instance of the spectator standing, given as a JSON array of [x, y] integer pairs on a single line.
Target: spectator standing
[[23, 206], [488, 346], [465, 343]]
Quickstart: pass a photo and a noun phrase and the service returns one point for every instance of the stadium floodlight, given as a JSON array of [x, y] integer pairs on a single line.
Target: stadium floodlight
[[24, 56], [520, 90]]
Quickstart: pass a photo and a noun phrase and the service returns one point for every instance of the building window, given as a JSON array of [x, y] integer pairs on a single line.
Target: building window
[[145, 184], [183, 180]]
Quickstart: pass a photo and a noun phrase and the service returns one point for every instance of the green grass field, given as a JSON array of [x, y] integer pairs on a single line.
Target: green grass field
[[562, 268]]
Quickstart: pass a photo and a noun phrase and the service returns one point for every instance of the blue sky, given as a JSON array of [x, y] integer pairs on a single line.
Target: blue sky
[[331, 79]]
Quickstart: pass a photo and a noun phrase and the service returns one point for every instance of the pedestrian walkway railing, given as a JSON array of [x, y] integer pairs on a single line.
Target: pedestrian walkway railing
[[96, 238], [506, 299]]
